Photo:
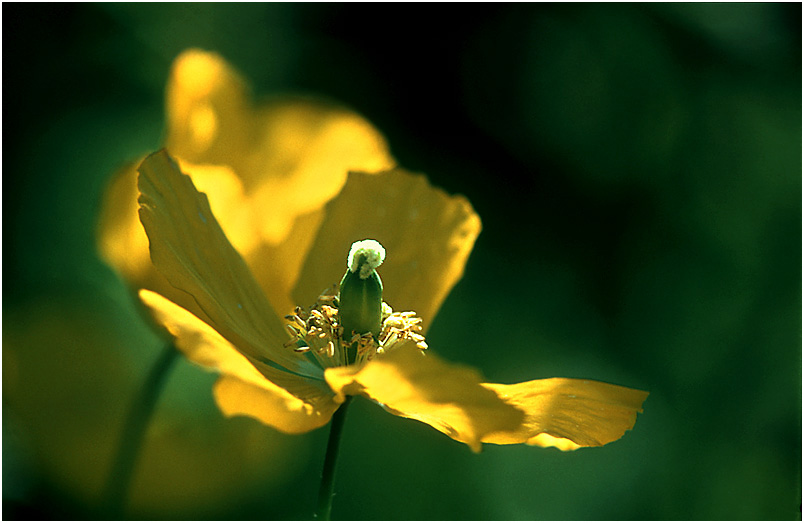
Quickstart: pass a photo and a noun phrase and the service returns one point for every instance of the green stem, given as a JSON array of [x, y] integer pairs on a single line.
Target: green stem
[[122, 472], [328, 473]]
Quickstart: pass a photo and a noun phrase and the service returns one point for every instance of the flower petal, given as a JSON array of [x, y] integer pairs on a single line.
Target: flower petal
[[302, 153], [189, 248], [428, 236], [285, 401], [277, 267], [262, 402], [293, 154], [568, 413], [448, 397], [309, 147], [229, 203], [124, 245], [121, 241], [207, 106]]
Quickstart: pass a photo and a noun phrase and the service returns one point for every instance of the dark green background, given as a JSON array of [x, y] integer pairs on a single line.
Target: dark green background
[[638, 172]]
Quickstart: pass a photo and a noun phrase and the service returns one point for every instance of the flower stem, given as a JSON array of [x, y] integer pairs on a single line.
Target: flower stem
[[328, 473], [134, 428]]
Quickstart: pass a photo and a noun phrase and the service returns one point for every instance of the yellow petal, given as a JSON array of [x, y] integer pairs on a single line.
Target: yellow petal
[[288, 402], [450, 398], [124, 245], [308, 148], [189, 248], [277, 267], [568, 413], [262, 402], [292, 154], [427, 234], [299, 162], [207, 105], [121, 240]]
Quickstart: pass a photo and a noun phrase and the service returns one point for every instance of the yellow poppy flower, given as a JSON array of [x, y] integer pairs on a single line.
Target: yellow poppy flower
[[296, 382], [268, 166]]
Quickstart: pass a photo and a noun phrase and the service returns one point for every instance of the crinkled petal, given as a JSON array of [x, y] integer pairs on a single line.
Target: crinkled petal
[[448, 397], [189, 248], [427, 234], [285, 401], [568, 413], [124, 245]]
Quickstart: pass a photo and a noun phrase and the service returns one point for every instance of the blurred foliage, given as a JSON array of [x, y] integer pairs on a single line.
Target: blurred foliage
[[638, 172]]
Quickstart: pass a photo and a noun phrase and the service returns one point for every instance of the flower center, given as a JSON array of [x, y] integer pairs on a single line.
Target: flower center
[[353, 325], [317, 331]]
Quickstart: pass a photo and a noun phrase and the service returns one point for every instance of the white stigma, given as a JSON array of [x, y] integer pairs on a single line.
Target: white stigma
[[370, 252]]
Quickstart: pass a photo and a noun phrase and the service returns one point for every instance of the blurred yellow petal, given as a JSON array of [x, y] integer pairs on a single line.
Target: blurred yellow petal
[[308, 148], [211, 119], [207, 106], [285, 401], [121, 240], [448, 397], [568, 413], [294, 154], [66, 381], [189, 248], [427, 233]]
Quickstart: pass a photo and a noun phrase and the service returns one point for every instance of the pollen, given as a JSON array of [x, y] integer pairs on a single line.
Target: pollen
[[365, 255], [317, 332]]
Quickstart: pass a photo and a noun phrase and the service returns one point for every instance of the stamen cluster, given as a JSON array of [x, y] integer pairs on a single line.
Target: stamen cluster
[[317, 331], [398, 326]]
